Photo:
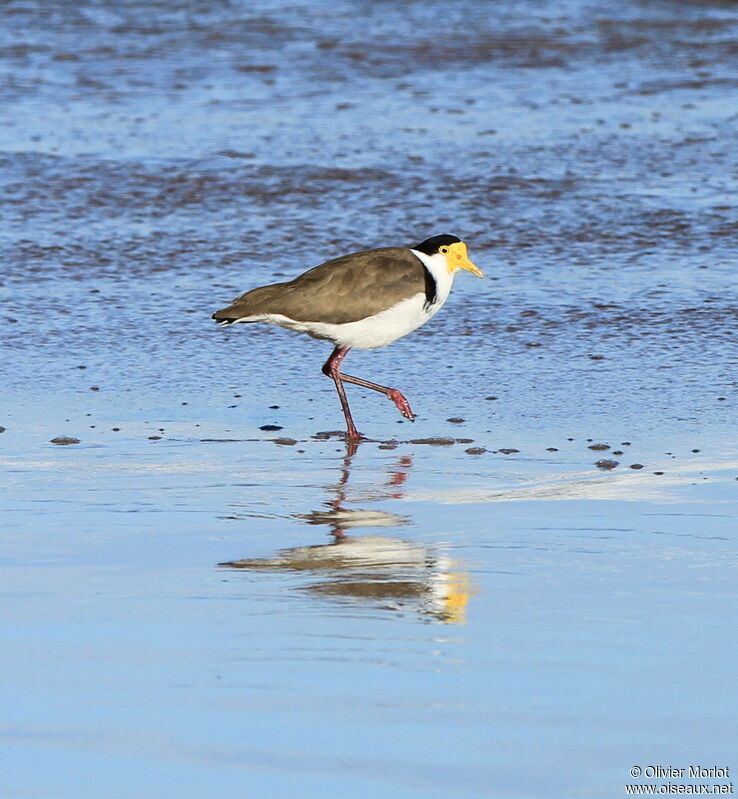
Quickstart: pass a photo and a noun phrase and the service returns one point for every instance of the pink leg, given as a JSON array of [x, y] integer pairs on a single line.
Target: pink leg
[[403, 406], [332, 368]]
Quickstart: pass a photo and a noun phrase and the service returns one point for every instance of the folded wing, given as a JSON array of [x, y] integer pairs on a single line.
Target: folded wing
[[338, 291]]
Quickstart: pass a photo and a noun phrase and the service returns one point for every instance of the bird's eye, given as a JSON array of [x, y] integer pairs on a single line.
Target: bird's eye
[[443, 250]]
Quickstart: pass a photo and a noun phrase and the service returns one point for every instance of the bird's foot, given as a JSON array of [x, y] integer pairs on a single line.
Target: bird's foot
[[403, 406], [353, 436]]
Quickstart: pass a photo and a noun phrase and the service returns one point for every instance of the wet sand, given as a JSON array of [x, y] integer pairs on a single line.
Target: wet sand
[[527, 591]]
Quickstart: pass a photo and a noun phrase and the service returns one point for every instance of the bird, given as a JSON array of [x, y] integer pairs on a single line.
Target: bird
[[363, 300]]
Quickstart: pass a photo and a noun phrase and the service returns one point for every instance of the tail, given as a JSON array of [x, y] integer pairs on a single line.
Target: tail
[[249, 307], [235, 312], [224, 317]]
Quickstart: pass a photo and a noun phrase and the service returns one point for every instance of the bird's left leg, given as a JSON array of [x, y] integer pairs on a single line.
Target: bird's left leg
[[403, 406]]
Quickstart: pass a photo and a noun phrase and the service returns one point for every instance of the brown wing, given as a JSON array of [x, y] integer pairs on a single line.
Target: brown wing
[[342, 290]]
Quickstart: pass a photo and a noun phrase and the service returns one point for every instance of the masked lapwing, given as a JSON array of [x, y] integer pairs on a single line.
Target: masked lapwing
[[364, 300]]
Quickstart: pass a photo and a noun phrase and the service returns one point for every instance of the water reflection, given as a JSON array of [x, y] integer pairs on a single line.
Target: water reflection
[[383, 571], [339, 518]]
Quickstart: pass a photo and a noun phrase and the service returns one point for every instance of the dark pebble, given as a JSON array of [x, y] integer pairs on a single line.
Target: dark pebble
[[606, 464], [658, 472], [508, 450], [434, 442], [617, 452], [598, 446], [2, 429], [456, 420], [285, 442], [721, 399], [388, 445], [271, 427], [464, 440], [81, 366], [695, 450], [625, 443], [116, 429], [552, 449], [154, 438], [271, 407], [94, 388], [64, 440], [490, 398], [636, 465], [185, 403], [475, 451]]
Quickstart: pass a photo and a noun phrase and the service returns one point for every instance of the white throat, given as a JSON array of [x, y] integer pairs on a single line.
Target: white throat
[[437, 266]]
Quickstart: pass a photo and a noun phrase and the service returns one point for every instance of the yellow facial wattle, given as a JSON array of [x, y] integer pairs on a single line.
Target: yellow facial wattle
[[456, 258]]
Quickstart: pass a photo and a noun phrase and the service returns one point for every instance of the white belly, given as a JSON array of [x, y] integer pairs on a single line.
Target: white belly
[[366, 334]]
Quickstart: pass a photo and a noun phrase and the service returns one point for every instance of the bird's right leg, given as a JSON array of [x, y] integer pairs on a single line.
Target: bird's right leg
[[332, 368]]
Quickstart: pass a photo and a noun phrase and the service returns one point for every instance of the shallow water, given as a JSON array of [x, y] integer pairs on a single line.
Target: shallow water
[[412, 618]]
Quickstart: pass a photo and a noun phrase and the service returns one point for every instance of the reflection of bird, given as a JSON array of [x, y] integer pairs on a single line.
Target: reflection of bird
[[388, 572], [365, 300], [340, 518], [396, 574]]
